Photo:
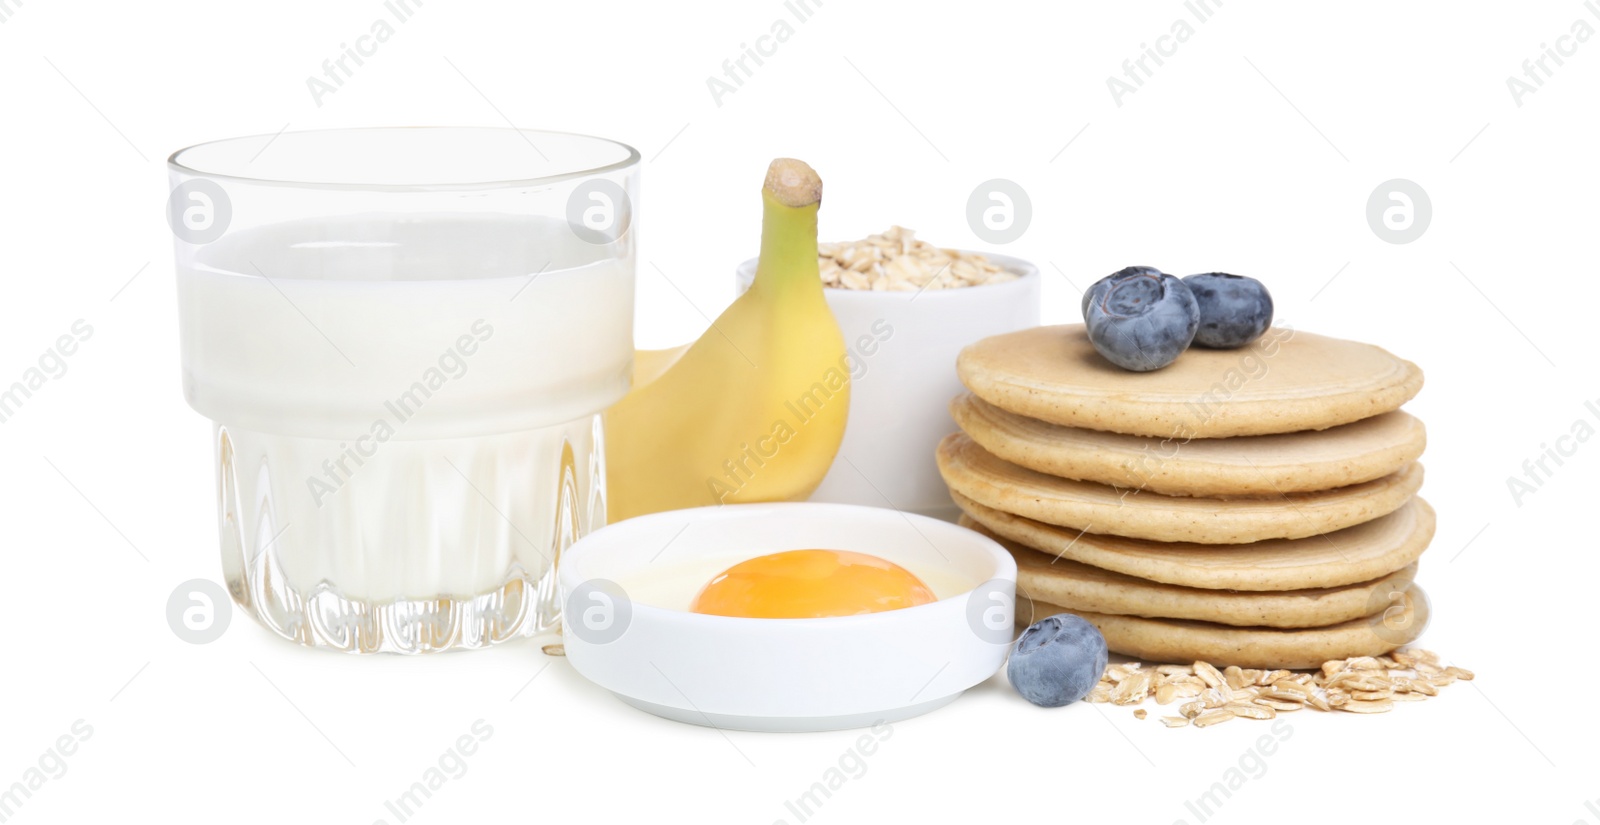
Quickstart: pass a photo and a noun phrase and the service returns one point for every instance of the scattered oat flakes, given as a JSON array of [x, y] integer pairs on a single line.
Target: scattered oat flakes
[[1213, 717], [1272, 677], [1209, 674], [1208, 696], [1251, 710], [1133, 689]]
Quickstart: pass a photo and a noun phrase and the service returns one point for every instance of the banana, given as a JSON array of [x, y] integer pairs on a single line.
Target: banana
[[753, 410]]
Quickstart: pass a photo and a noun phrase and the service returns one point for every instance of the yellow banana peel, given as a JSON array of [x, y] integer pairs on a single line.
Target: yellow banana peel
[[753, 410]]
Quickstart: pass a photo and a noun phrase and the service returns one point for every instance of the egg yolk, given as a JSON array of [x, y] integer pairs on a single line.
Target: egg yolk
[[811, 584]]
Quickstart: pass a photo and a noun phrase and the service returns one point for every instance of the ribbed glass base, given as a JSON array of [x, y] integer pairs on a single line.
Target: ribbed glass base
[[406, 546]]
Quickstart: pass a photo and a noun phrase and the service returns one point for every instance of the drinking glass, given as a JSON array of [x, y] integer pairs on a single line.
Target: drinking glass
[[404, 339]]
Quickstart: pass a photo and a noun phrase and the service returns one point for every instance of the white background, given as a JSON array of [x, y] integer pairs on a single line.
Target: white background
[[1252, 150]]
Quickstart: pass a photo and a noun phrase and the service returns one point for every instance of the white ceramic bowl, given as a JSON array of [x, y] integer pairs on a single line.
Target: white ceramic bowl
[[626, 589], [903, 348]]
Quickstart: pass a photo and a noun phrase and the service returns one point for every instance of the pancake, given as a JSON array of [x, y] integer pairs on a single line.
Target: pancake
[[1244, 466], [1287, 381], [1076, 586], [979, 475], [1356, 554], [1179, 641]]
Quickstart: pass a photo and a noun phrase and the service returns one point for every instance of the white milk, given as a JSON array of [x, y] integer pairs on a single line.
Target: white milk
[[407, 413]]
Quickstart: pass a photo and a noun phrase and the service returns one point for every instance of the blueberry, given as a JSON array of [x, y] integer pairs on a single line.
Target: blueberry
[[1234, 310], [1140, 318], [1057, 661], [1132, 270]]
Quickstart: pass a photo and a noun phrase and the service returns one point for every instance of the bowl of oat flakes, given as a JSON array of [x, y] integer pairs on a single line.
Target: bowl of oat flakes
[[906, 308]]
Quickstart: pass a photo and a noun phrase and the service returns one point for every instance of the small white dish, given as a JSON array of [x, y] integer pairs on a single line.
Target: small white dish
[[903, 348], [626, 589]]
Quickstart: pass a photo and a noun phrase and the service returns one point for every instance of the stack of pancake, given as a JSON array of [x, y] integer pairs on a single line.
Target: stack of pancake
[[1253, 507]]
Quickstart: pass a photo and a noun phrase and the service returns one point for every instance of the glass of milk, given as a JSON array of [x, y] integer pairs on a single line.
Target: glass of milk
[[405, 339]]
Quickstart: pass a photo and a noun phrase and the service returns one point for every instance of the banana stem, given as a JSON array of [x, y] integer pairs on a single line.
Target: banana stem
[[790, 199], [793, 182]]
